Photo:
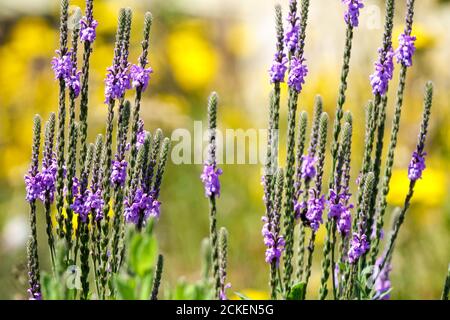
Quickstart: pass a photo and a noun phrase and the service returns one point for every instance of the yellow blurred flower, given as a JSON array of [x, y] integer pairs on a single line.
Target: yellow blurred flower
[[424, 38], [192, 58], [252, 294], [430, 190]]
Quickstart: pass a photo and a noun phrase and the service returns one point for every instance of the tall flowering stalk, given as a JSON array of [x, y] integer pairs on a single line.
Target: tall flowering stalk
[[48, 182], [273, 240], [210, 179], [339, 209], [316, 203], [306, 171], [415, 170], [296, 78], [60, 72], [157, 277], [379, 80], [223, 255], [407, 47], [33, 188]]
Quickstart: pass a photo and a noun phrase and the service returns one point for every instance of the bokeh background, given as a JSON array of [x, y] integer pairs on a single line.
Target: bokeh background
[[203, 45]]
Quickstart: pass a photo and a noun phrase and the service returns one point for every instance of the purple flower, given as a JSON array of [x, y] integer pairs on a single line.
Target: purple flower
[[87, 30], [308, 167], [116, 83], [274, 243], [340, 211], [87, 202], [416, 166], [35, 292], [352, 13], [298, 207], [62, 66], [316, 205], [222, 293], [278, 68], [141, 134], [210, 179], [382, 281], [33, 186], [119, 172], [48, 179], [291, 34], [406, 49], [142, 205], [358, 247], [73, 81], [344, 222], [297, 74], [384, 69], [140, 76]]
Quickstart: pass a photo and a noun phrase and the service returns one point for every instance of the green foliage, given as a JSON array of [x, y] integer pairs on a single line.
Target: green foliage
[[297, 292]]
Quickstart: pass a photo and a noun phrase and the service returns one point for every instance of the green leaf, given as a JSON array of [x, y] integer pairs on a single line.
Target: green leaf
[[242, 296], [126, 288], [297, 292], [143, 254], [50, 288], [145, 289]]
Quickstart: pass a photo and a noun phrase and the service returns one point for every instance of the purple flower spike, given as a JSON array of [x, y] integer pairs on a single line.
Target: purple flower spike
[[406, 49], [274, 243], [222, 293], [88, 30], [384, 69], [119, 172], [140, 76], [33, 186], [358, 247], [416, 166], [117, 82], [308, 167], [278, 68], [141, 134], [352, 13], [382, 281], [210, 179], [142, 205], [340, 211], [297, 74], [62, 66], [316, 205], [291, 35], [48, 179], [73, 82]]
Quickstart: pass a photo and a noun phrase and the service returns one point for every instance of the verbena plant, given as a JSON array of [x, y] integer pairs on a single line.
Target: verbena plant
[[106, 194]]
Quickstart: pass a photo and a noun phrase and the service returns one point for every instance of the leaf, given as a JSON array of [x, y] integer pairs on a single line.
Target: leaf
[[242, 296], [125, 288], [143, 254], [145, 289], [297, 292], [50, 288]]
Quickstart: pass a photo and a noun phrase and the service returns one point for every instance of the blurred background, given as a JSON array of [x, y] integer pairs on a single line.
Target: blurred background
[[203, 45]]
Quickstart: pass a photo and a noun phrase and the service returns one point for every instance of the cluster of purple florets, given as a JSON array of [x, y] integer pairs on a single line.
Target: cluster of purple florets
[[210, 179], [141, 207], [87, 201], [65, 69], [351, 15], [42, 184], [275, 243]]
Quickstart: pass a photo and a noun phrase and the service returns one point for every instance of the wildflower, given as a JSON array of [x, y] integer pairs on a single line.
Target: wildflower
[[87, 30], [62, 66], [274, 243], [117, 82], [297, 74], [308, 167], [48, 180], [291, 35], [382, 281], [73, 81], [142, 206], [384, 69], [344, 222], [87, 201], [406, 49], [352, 13], [140, 76], [340, 211], [210, 179], [316, 206], [33, 186], [278, 68], [119, 172], [141, 134], [416, 166], [358, 247]]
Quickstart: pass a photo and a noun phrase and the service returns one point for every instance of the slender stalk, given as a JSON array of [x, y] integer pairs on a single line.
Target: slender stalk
[[446, 286], [157, 277]]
